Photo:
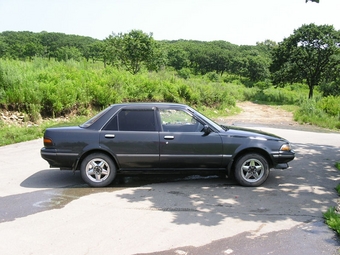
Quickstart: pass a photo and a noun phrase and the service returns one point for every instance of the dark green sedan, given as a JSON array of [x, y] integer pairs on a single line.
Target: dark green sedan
[[162, 138]]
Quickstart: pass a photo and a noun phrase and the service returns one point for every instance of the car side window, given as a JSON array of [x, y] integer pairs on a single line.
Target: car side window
[[134, 120], [112, 124], [179, 121]]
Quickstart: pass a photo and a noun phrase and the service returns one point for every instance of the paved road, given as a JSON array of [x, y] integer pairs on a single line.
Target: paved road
[[47, 211]]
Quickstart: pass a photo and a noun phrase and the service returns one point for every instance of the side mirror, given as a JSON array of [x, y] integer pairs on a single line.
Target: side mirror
[[206, 129]]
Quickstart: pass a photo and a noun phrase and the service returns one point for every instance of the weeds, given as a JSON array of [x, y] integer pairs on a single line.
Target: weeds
[[332, 216], [48, 89], [15, 133]]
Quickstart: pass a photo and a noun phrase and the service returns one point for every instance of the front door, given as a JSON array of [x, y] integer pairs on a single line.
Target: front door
[[183, 144]]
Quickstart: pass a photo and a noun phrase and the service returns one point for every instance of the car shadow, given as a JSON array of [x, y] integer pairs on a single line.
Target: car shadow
[[301, 193], [53, 178]]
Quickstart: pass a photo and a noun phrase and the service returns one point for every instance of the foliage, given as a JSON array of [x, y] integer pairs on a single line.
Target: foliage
[[52, 89], [320, 112], [27, 45], [204, 74], [338, 188], [332, 218], [307, 55], [14, 134], [330, 105], [68, 53], [178, 58], [133, 49], [331, 88], [337, 165], [136, 51]]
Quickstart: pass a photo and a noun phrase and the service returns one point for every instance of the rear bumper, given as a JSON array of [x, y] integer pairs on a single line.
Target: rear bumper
[[63, 160]]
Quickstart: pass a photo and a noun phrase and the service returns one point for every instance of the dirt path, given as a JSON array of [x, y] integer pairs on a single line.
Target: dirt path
[[253, 113], [257, 115]]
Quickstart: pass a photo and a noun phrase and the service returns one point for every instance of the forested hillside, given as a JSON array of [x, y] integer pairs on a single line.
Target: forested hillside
[[53, 74]]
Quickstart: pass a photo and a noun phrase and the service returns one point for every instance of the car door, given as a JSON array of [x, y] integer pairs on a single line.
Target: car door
[[132, 136], [183, 144]]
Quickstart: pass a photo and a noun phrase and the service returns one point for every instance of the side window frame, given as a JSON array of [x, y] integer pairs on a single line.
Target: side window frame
[[133, 121], [182, 125]]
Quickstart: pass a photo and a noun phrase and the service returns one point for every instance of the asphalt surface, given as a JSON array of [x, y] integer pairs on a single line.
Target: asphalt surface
[[47, 211]]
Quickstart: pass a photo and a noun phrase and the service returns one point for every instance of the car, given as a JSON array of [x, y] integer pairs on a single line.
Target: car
[[171, 138]]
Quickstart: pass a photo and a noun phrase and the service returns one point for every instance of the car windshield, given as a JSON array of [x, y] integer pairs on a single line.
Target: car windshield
[[94, 119]]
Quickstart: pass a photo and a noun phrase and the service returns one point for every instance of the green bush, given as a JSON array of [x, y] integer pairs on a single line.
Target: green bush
[[314, 111], [184, 73], [332, 218], [50, 88], [330, 105]]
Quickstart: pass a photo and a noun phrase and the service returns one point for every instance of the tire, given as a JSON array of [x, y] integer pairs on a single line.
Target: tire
[[251, 170], [98, 170]]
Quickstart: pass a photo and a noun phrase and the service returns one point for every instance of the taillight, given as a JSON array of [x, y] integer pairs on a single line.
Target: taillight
[[48, 142]]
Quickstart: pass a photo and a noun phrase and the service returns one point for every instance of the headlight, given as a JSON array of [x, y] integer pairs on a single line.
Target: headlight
[[286, 147]]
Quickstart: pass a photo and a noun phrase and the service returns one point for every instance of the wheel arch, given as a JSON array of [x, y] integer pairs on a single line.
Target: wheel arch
[[85, 154], [245, 151]]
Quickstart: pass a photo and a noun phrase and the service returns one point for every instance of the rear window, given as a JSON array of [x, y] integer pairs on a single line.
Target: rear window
[[94, 119]]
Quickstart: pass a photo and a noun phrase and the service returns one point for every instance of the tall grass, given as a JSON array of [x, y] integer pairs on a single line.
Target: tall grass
[[43, 88], [52, 89], [322, 112]]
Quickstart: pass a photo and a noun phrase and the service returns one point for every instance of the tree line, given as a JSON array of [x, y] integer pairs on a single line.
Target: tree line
[[310, 55], [136, 50]]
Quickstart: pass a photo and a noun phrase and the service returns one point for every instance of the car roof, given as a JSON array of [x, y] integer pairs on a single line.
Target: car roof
[[149, 104]]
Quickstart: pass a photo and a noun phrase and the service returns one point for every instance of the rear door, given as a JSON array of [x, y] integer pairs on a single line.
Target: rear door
[[132, 136]]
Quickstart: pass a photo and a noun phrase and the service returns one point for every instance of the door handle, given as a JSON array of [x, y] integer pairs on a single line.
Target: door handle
[[169, 137], [110, 136]]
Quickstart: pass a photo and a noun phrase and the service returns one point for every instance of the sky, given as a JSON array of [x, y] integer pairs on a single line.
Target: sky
[[241, 22]]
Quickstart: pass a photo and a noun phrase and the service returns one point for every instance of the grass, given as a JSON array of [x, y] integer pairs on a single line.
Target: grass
[[10, 134], [332, 216]]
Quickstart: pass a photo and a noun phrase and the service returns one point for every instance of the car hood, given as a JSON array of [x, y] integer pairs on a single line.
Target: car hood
[[233, 131]]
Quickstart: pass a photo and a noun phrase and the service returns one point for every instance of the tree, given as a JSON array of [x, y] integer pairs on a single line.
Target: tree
[[3, 47], [257, 68], [21, 45], [68, 53], [178, 58], [96, 51], [157, 59], [307, 55], [133, 49]]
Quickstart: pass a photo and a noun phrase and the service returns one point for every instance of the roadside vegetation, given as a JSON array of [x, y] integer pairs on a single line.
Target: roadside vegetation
[[53, 75], [332, 216]]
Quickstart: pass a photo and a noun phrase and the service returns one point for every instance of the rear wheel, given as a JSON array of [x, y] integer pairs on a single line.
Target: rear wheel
[[251, 170], [98, 170]]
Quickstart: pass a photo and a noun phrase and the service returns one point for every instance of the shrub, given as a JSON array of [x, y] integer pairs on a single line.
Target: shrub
[[330, 105], [332, 219], [184, 73]]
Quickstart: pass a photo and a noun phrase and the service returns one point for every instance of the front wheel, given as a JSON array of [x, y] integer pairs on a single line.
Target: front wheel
[[98, 170], [251, 170]]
